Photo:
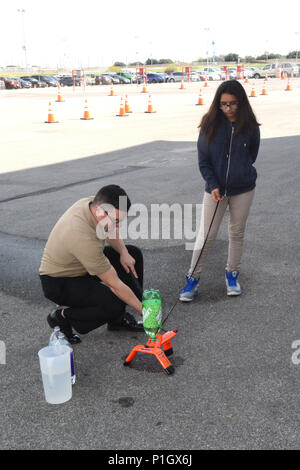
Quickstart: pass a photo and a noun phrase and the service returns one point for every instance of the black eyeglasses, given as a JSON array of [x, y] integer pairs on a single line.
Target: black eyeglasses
[[114, 221], [232, 105]]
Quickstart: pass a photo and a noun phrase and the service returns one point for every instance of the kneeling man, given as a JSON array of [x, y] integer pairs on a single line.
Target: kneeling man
[[92, 283]]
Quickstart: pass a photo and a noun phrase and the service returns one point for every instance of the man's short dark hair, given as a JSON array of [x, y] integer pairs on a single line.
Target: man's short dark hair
[[111, 195]]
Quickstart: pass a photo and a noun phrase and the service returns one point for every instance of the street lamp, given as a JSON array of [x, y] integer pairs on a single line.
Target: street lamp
[[22, 12], [207, 30], [297, 32]]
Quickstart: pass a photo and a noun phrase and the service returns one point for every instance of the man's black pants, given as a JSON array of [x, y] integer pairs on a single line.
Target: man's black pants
[[91, 303]]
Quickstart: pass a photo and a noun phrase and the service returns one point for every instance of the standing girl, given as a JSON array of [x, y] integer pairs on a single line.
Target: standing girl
[[228, 145]]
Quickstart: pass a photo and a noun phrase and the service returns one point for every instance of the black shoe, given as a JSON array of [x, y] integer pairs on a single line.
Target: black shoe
[[128, 322], [55, 318]]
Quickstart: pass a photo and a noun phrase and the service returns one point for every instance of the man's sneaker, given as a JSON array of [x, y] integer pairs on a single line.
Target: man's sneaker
[[128, 322], [55, 318], [232, 284], [190, 290]]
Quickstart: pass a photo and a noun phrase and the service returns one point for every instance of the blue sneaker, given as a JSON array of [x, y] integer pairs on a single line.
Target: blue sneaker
[[190, 290], [232, 284]]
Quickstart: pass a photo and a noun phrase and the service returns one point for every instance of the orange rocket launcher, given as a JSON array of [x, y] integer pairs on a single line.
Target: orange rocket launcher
[[158, 345]]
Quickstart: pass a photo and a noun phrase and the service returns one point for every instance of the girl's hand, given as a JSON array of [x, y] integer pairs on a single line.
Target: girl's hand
[[215, 194]]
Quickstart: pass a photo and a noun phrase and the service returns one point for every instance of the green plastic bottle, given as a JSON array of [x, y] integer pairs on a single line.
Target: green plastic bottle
[[152, 313]]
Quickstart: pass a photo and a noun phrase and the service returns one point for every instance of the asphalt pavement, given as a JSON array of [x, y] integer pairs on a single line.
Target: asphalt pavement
[[235, 385]]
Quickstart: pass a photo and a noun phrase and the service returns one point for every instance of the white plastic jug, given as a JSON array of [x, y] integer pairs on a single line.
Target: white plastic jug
[[56, 373]]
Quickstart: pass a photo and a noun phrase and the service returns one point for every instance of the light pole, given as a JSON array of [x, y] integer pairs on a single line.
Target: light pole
[[213, 45], [296, 33], [151, 52], [207, 30], [137, 52], [22, 12], [267, 49]]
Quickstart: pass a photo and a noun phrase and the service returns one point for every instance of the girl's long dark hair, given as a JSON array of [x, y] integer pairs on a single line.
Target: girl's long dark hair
[[245, 118]]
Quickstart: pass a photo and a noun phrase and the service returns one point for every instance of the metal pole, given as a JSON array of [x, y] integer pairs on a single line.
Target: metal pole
[[207, 45], [296, 33], [24, 40]]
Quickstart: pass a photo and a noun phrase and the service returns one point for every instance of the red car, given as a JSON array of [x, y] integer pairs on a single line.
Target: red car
[[11, 82]]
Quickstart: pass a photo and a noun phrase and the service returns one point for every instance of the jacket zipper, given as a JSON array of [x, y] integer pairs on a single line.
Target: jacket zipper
[[228, 158]]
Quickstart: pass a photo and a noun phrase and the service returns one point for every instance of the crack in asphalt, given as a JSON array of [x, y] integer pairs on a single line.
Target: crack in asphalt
[[75, 183]]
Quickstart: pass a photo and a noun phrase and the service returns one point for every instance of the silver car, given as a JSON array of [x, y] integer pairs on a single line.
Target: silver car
[[215, 70], [174, 77]]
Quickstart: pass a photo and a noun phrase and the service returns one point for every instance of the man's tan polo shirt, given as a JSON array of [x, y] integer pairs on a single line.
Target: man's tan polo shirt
[[73, 248]]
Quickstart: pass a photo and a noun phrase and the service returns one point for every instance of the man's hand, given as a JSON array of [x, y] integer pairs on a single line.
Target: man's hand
[[128, 262], [215, 194]]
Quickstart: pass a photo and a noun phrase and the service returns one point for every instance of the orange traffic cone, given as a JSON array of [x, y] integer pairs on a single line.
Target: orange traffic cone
[[122, 109], [288, 86], [253, 92], [246, 80], [150, 106], [205, 83], [127, 107], [112, 93], [182, 85], [59, 97], [266, 78], [86, 114], [144, 90], [264, 89], [51, 119], [200, 99]]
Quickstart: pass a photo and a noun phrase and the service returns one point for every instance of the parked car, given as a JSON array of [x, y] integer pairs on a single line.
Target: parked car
[[271, 69], [90, 79], [296, 69], [232, 73], [288, 68], [123, 80], [2, 83], [114, 79], [248, 72], [214, 70], [128, 75], [154, 78], [174, 77], [23, 83], [34, 82], [210, 76], [103, 80], [164, 76], [67, 80], [193, 76], [50, 81], [138, 78], [11, 83], [131, 76]]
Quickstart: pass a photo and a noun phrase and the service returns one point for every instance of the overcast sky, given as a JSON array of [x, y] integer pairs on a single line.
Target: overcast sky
[[91, 33]]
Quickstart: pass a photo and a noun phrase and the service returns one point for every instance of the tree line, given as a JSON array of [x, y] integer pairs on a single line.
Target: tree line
[[231, 57]]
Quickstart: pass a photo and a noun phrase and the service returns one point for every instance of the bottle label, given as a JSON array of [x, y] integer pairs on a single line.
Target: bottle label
[[146, 313], [72, 364]]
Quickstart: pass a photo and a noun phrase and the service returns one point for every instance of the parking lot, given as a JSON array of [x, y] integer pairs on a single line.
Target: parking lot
[[235, 385]]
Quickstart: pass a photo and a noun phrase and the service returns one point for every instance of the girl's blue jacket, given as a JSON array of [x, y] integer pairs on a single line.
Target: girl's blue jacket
[[217, 166]]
